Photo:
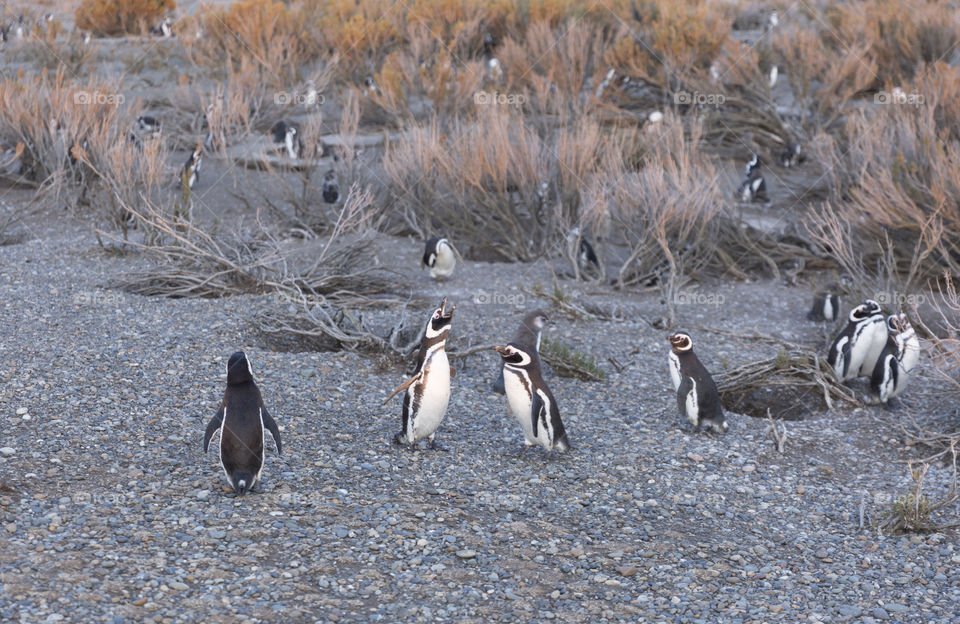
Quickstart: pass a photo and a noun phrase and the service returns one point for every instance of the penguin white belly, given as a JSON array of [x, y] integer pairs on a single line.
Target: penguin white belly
[[866, 350], [520, 404], [444, 264], [911, 353], [435, 396], [827, 308], [675, 370], [692, 405]]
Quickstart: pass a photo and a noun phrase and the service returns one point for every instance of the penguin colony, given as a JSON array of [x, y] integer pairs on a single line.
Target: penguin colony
[[884, 349]]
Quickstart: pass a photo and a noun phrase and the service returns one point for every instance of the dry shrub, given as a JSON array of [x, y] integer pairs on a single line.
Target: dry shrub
[[896, 190], [495, 183], [262, 33], [665, 40], [117, 17], [899, 36]]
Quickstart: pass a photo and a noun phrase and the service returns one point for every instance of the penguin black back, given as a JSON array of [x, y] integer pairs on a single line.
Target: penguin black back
[[241, 419], [697, 395]]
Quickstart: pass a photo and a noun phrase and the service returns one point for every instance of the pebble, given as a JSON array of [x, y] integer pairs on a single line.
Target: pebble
[[7, 451], [466, 554]]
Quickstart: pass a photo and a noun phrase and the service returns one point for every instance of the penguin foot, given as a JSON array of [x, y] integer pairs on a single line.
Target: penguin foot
[[894, 405], [435, 446]]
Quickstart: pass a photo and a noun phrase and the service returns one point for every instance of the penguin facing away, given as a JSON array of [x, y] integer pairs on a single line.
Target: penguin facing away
[[241, 420], [897, 360], [528, 336], [855, 350], [438, 255], [428, 391], [530, 400], [697, 396], [330, 189], [826, 306]]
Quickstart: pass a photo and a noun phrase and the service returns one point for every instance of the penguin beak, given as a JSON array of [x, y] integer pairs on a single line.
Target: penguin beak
[[499, 350], [443, 309]]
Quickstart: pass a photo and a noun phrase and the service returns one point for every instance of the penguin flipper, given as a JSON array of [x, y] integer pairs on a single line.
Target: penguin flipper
[[404, 386], [271, 426], [538, 412], [215, 423], [685, 387]]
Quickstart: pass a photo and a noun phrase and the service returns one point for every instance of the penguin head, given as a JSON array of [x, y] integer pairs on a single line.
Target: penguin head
[[681, 342], [514, 354], [536, 320], [430, 251], [440, 321], [898, 323], [238, 369], [865, 310], [242, 482]]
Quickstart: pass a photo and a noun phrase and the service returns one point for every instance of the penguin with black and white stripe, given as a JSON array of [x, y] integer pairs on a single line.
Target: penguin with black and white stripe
[[530, 400], [428, 391], [190, 174], [285, 137], [753, 187], [528, 336], [241, 420], [438, 255], [790, 156], [855, 350], [897, 360], [697, 395], [826, 306], [149, 125], [585, 255]]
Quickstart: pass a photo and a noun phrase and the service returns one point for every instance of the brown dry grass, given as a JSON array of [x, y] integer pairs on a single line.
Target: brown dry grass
[[116, 17]]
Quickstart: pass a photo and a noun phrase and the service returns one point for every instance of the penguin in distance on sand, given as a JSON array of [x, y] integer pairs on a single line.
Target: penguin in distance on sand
[[241, 419], [440, 257], [528, 336], [428, 391], [897, 360], [826, 306], [530, 400], [697, 395], [856, 349]]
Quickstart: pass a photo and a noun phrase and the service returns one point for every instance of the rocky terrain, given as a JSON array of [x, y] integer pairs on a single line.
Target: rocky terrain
[[110, 512]]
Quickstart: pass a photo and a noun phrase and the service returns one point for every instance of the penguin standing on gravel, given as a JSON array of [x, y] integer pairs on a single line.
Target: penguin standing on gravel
[[753, 188], [897, 360], [241, 419], [285, 137], [527, 336], [826, 306], [190, 174], [428, 391], [439, 256], [855, 350], [697, 395], [530, 400], [330, 189]]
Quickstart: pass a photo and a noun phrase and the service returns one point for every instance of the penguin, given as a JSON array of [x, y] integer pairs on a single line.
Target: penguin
[[697, 395], [428, 391], [285, 137], [163, 29], [585, 254], [826, 306], [528, 336], [439, 256], [371, 87], [311, 98], [774, 73], [790, 156], [491, 62], [148, 125], [330, 188], [530, 400], [191, 170], [241, 420], [753, 188], [855, 350], [897, 360]]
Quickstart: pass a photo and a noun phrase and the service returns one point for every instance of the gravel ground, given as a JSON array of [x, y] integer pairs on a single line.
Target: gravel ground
[[109, 510]]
